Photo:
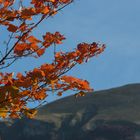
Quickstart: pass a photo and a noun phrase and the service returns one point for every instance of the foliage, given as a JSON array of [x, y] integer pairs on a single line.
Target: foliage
[[16, 91]]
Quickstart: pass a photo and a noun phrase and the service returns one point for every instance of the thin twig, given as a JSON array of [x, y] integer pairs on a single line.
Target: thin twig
[[9, 64], [7, 44]]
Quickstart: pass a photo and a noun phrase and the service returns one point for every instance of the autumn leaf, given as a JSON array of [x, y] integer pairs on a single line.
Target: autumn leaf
[[40, 52], [36, 73], [33, 39], [6, 3], [20, 48], [3, 112], [65, 1], [40, 95], [23, 27], [24, 93], [14, 115], [12, 28], [52, 0], [59, 93], [46, 10], [27, 13]]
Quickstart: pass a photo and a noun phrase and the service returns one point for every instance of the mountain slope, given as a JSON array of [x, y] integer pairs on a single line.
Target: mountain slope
[[112, 114]]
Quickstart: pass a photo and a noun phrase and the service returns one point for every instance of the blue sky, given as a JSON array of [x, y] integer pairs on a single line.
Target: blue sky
[[115, 23]]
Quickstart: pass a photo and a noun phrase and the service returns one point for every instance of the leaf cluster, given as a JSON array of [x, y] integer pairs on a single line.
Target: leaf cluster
[[16, 91]]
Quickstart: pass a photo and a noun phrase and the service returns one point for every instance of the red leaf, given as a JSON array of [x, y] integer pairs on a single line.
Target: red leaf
[[12, 28]]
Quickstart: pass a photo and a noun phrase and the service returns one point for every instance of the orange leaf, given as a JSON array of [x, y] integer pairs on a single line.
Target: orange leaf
[[59, 93], [40, 95], [40, 52], [19, 49], [46, 10], [6, 3], [32, 39], [3, 112], [14, 115], [27, 12], [37, 73], [52, 0]]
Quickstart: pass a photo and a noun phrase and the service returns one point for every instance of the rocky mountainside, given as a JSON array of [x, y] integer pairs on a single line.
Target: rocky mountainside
[[112, 114]]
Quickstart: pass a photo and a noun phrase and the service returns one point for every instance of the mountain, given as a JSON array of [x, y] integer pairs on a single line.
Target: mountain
[[112, 114]]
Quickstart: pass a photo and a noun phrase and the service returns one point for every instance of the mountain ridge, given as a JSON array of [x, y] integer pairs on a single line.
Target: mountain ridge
[[111, 114]]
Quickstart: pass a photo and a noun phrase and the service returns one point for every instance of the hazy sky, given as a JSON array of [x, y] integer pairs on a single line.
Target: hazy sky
[[115, 23]]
